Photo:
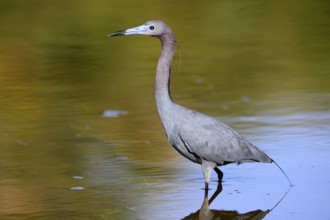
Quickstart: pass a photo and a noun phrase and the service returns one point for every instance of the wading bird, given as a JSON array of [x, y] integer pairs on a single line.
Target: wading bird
[[196, 136]]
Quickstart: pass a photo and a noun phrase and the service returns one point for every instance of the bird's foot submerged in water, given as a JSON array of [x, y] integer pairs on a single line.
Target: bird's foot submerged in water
[[206, 188]]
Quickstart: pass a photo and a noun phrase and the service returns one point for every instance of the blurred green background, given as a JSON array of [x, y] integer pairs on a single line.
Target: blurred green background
[[59, 71]]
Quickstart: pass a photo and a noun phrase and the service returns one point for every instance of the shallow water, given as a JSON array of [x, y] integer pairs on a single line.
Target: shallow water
[[80, 137]]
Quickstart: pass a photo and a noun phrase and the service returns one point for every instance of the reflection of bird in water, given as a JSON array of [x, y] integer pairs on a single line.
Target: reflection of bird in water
[[210, 214], [205, 213], [196, 136]]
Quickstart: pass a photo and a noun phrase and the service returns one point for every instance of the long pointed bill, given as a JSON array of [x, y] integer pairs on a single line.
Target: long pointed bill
[[143, 29]]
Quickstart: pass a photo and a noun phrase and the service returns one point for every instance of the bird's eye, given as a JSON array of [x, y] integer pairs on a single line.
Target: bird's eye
[[151, 27]]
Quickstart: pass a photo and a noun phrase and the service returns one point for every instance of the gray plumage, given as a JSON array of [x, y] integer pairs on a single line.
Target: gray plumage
[[196, 136]]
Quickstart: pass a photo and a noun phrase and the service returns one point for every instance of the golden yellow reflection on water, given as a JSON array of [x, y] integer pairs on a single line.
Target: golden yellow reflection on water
[[255, 65]]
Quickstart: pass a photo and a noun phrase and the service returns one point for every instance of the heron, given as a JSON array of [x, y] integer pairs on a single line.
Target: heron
[[196, 136]]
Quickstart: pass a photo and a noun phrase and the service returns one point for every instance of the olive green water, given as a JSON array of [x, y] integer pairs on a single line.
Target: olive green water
[[261, 67]]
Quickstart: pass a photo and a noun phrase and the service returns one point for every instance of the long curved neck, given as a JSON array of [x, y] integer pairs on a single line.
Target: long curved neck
[[163, 72]]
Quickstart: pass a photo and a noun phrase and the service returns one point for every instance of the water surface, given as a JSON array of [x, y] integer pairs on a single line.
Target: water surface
[[80, 137]]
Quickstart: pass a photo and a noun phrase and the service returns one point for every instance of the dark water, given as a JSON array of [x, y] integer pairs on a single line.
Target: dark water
[[261, 67]]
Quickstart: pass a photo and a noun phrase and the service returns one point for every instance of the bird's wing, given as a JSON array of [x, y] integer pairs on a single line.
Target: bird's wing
[[210, 140]]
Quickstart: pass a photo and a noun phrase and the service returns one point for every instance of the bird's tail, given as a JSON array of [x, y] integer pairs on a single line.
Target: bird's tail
[[282, 172]]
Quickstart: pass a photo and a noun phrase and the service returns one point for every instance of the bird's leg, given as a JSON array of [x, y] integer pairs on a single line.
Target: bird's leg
[[206, 191], [207, 168], [206, 186], [220, 174]]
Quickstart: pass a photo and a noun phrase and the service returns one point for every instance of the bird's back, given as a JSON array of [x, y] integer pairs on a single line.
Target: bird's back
[[200, 137]]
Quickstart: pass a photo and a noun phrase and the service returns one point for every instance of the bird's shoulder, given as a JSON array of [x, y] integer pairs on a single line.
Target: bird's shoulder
[[189, 120]]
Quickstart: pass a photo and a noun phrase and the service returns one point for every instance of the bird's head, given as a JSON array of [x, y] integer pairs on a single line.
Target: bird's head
[[153, 28]]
